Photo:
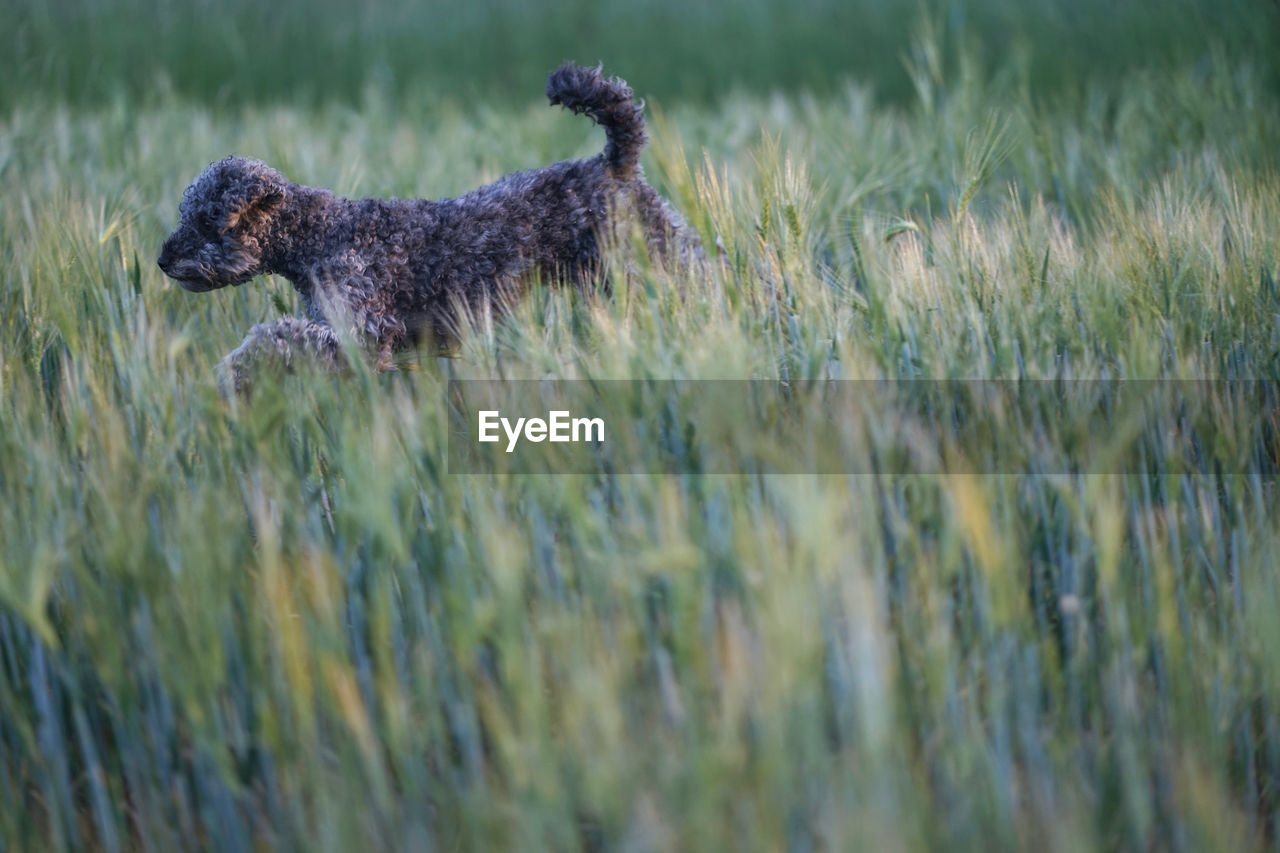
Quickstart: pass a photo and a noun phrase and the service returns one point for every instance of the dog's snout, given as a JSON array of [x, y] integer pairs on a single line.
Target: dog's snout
[[165, 261]]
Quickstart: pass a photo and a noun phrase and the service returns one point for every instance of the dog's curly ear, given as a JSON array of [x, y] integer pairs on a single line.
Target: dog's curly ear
[[258, 192]]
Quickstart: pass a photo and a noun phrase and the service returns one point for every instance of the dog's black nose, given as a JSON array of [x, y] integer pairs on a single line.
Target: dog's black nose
[[163, 262]]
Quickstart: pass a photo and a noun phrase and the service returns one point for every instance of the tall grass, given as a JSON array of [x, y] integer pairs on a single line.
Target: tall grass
[[286, 625]]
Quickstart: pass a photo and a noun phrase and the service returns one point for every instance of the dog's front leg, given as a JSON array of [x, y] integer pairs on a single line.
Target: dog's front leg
[[281, 346]]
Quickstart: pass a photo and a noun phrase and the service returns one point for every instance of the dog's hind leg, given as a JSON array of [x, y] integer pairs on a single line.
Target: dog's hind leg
[[670, 239]]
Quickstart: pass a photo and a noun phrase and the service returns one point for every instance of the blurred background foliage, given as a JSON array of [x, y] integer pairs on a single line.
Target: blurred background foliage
[[233, 51]]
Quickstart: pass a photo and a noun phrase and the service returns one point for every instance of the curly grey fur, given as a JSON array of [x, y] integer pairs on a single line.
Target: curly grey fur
[[395, 273]]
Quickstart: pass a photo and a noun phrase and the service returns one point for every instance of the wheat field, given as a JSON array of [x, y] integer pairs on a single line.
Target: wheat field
[[289, 624]]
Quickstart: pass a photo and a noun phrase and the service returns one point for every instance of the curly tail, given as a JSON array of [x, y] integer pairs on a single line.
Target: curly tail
[[609, 102]]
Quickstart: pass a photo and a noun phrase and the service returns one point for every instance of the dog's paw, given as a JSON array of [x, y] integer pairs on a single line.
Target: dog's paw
[[234, 381]]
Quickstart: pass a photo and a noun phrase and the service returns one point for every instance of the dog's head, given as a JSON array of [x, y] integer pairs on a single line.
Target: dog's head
[[225, 220]]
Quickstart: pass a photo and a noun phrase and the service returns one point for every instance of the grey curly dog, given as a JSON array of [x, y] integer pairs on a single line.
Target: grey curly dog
[[400, 273]]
